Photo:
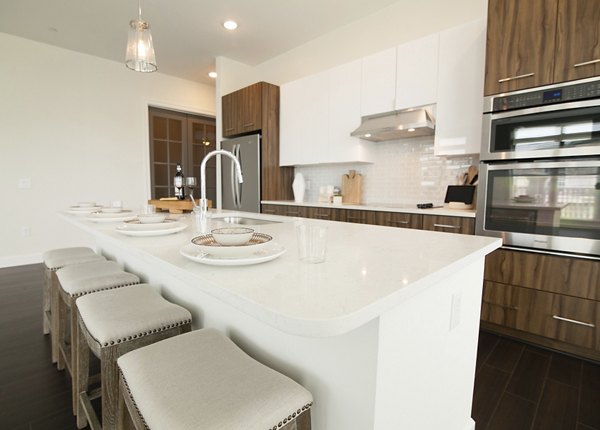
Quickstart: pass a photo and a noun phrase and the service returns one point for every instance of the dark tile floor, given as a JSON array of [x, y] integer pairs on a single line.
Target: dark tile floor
[[517, 386], [522, 387]]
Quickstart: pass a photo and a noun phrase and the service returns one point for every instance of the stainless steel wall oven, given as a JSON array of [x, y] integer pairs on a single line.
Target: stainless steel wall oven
[[540, 169]]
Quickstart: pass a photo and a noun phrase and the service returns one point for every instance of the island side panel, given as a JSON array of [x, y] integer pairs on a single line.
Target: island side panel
[[339, 371], [426, 368]]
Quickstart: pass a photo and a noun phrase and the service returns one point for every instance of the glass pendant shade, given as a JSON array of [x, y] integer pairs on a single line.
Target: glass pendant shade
[[140, 51]]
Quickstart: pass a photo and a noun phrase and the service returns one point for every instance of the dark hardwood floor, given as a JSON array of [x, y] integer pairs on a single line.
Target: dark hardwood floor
[[517, 386], [522, 387]]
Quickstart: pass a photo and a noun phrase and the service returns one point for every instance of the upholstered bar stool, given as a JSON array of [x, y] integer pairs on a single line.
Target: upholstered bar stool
[[202, 380], [75, 281], [112, 323], [54, 260]]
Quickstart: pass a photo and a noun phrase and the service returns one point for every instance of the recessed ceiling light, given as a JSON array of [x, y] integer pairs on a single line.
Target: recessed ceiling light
[[410, 130], [212, 74], [368, 135], [230, 25]]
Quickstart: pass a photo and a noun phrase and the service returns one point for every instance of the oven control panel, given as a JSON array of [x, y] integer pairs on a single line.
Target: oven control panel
[[567, 93]]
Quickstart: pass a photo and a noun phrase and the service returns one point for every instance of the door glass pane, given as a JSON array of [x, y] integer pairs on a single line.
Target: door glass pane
[[160, 127], [175, 127], [175, 152], [161, 175], [160, 151]]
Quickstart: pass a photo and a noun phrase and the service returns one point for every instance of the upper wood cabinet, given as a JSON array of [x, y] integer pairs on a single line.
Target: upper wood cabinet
[[539, 42], [242, 110], [577, 40]]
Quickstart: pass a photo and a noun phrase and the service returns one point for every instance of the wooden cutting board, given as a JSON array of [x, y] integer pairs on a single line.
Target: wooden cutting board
[[351, 187]]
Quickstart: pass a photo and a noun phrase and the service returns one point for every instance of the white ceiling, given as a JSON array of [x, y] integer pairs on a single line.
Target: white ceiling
[[187, 34]]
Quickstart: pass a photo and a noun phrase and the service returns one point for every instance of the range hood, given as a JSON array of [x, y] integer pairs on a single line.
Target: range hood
[[396, 125]]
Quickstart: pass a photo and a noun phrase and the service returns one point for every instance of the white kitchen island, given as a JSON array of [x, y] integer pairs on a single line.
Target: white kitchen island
[[384, 333]]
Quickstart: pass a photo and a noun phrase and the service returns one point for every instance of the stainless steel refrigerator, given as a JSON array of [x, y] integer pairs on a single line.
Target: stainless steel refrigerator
[[245, 196]]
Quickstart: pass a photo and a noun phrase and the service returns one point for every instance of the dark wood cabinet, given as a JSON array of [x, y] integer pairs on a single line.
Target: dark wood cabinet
[[577, 40], [326, 214], [256, 109], [449, 224], [520, 44], [540, 42], [360, 217], [402, 220], [545, 299], [285, 210]]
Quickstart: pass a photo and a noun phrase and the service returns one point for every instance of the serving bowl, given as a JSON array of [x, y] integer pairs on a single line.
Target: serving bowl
[[151, 218], [232, 236]]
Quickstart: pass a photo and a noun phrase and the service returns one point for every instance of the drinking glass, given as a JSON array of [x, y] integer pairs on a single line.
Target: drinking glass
[[312, 242], [191, 183]]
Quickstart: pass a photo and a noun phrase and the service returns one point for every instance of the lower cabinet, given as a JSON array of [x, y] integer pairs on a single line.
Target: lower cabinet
[[544, 299], [402, 220], [285, 210], [449, 224]]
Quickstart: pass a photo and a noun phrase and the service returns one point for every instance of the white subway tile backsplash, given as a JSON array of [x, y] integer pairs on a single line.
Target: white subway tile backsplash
[[404, 172]]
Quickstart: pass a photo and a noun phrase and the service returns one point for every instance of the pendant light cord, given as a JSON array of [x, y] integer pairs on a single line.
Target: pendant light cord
[[139, 10]]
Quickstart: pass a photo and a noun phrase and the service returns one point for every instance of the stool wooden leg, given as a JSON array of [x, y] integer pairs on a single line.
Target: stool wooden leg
[[124, 419], [54, 303], [83, 374], [110, 386], [61, 333], [46, 302], [74, 350], [303, 421]]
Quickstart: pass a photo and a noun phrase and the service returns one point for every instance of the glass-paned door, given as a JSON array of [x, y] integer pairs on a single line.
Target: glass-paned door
[[202, 139]]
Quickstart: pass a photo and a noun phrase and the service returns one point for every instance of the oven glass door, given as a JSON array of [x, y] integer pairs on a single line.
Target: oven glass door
[[571, 129], [544, 204]]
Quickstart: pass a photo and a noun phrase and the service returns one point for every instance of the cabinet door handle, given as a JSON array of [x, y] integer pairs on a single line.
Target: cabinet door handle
[[356, 218], [512, 78], [587, 63], [229, 129], [293, 213], [556, 317], [268, 211], [250, 124], [447, 226], [510, 307], [318, 215], [399, 222]]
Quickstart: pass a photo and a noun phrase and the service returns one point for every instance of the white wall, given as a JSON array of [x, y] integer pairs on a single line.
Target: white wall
[[77, 126], [389, 27]]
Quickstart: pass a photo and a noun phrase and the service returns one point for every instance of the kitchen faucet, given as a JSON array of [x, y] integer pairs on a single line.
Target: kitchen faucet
[[203, 202]]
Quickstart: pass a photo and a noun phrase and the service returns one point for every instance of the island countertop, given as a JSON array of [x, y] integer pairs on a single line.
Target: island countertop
[[368, 270]]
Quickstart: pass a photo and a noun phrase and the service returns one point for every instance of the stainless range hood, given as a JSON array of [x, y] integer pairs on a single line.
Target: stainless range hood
[[396, 125]]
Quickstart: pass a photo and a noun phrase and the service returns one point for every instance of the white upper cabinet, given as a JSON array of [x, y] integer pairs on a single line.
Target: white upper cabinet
[[460, 90], [304, 106], [378, 83], [318, 113], [344, 115], [417, 72]]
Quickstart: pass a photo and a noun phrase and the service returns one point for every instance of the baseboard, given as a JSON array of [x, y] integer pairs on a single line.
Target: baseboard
[[20, 260]]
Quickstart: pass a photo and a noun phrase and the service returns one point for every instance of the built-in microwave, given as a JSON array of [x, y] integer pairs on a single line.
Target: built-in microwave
[[550, 205], [562, 120]]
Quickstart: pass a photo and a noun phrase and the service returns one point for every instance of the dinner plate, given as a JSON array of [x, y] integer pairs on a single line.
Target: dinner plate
[[268, 253], [111, 217], [158, 229], [208, 244], [83, 210]]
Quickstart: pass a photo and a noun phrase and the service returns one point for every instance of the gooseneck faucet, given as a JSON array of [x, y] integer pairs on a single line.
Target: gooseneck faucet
[[203, 201]]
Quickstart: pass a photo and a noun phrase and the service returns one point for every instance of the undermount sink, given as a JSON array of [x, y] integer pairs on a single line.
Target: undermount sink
[[245, 221]]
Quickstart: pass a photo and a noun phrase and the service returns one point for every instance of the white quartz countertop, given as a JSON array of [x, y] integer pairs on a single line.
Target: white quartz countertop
[[369, 270], [382, 207]]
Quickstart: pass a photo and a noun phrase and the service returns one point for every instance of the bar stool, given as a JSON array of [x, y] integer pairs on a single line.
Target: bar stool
[[202, 380], [54, 260], [75, 281], [112, 323]]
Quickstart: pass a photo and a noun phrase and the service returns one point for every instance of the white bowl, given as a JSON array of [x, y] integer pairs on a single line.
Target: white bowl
[[232, 236], [86, 204], [151, 218], [112, 209]]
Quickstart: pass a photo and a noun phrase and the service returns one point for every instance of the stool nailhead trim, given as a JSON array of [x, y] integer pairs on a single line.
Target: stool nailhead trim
[[141, 417], [102, 289], [156, 330], [290, 417]]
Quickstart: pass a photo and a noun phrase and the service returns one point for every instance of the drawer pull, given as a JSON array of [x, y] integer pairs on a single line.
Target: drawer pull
[[556, 317], [512, 78], [290, 213], [397, 222], [250, 124], [510, 307], [586, 63], [229, 129], [318, 215], [455, 227], [268, 211], [356, 218]]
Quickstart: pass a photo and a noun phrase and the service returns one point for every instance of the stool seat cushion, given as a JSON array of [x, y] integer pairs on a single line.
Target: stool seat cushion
[[201, 379], [57, 258], [79, 279], [122, 314]]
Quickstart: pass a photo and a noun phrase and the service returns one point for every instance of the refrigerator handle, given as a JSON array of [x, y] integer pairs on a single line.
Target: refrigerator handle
[[238, 155], [233, 181]]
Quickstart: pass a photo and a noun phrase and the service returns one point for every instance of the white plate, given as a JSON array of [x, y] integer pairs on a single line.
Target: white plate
[[192, 252], [80, 210], [111, 217], [258, 241], [159, 229]]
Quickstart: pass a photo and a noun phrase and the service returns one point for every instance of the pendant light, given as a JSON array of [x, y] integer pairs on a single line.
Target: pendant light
[[140, 51]]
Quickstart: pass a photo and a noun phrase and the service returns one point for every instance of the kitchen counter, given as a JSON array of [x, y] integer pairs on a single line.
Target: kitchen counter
[[381, 333], [381, 207]]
